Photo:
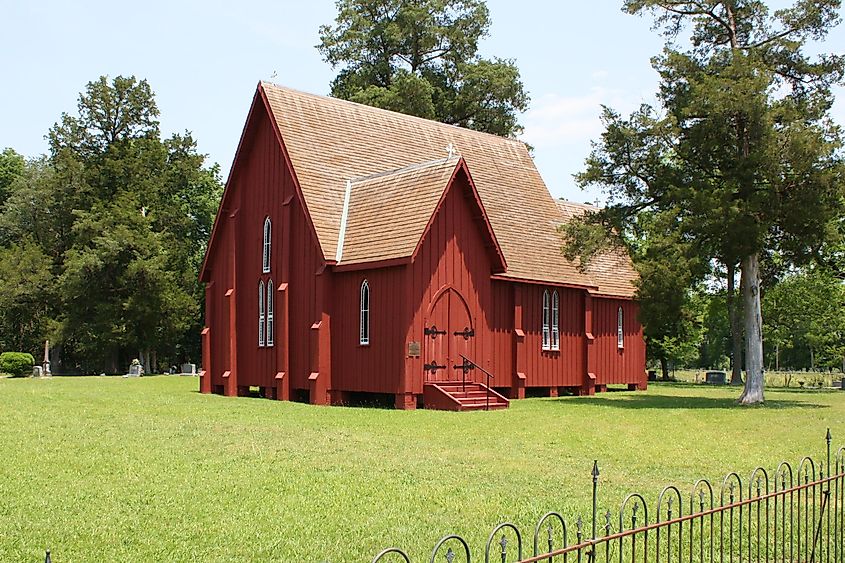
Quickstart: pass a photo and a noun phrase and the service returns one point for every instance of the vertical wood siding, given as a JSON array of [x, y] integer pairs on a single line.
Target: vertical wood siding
[[377, 366], [453, 254], [549, 368], [615, 365], [261, 183]]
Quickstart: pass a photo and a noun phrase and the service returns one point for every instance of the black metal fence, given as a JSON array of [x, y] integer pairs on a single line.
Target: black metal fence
[[795, 514]]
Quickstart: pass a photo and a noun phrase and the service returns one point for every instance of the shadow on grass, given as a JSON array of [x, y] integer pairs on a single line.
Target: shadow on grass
[[644, 401]]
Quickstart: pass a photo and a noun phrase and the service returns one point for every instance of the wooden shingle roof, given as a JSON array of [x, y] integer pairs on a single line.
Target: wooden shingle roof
[[331, 141], [612, 271], [387, 213]]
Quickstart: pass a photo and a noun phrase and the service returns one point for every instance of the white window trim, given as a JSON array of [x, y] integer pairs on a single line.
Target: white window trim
[[546, 344], [268, 235], [261, 313], [555, 340], [620, 332], [270, 324], [364, 315]]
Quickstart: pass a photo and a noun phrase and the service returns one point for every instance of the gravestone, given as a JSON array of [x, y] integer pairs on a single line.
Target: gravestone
[[189, 369], [135, 369], [716, 377], [37, 371]]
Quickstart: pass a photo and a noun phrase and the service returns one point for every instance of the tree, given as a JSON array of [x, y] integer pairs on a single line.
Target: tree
[[122, 218], [26, 295], [744, 149], [804, 312], [11, 167], [421, 57]]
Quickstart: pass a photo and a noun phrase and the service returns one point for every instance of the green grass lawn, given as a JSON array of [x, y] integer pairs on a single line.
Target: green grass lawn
[[148, 469]]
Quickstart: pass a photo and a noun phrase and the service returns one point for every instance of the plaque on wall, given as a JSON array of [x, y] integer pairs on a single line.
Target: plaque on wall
[[413, 349]]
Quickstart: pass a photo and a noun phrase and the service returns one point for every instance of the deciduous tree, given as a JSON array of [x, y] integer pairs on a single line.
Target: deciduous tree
[[743, 149], [421, 57]]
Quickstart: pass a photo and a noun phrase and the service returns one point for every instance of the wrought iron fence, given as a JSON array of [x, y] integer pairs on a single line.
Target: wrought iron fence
[[794, 514]]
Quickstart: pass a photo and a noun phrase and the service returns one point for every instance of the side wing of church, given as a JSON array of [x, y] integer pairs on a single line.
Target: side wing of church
[[361, 252]]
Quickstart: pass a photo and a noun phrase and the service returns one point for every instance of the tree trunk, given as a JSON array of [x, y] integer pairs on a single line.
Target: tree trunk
[[154, 361], [753, 317], [736, 327], [56, 365], [812, 360], [777, 357], [664, 369], [145, 360]]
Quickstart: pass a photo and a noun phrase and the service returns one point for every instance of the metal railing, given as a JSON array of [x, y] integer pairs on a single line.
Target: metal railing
[[795, 515], [485, 372]]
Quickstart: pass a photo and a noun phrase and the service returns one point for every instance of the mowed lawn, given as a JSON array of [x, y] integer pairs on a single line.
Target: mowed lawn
[[148, 469]]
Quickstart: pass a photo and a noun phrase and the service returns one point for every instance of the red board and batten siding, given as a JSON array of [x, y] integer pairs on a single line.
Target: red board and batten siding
[[614, 365], [551, 368], [453, 255], [262, 186], [373, 367]]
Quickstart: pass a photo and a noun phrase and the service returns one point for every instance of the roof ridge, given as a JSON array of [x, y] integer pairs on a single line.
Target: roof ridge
[[403, 169], [397, 113]]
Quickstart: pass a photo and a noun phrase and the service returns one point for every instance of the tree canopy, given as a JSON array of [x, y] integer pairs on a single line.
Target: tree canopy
[[117, 218], [421, 58], [742, 152]]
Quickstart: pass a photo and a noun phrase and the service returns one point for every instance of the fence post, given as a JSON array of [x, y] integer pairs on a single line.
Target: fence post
[[595, 474]]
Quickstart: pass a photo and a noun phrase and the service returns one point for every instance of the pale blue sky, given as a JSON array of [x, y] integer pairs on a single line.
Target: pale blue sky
[[204, 59]]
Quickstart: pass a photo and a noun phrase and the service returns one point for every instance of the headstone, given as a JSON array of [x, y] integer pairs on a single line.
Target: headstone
[[46, 364], [135, 369], [37, 371], [652, 375], [716, 377], [189, 369]]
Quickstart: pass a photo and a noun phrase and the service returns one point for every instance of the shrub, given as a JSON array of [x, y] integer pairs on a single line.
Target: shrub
[[18, 364]]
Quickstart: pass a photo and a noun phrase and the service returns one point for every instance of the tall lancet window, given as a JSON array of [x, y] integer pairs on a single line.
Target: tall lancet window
[[270, 313], [547, 337], [620, 335], [261, 313], [364, 320], [555, 344], [268, 231]]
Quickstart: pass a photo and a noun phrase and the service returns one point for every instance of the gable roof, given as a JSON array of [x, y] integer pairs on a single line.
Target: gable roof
[[612, 271], [385, 215], [330, 141]]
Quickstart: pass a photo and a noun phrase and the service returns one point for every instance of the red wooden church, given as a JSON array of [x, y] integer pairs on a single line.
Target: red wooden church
[[361, 251]]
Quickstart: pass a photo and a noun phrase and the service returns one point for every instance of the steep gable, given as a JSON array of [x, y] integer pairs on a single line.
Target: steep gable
[[331, 141]]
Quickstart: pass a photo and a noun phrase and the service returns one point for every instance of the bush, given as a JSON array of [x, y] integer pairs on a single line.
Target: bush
[[18, 364]]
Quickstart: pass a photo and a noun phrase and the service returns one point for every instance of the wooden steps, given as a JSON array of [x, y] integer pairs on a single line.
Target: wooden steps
[[455, 396]]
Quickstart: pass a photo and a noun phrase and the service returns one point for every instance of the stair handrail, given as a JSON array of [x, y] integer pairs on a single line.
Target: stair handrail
[[489, 377]]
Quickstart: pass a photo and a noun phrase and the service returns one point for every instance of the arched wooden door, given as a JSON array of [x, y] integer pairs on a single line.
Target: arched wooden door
[[449, 333]]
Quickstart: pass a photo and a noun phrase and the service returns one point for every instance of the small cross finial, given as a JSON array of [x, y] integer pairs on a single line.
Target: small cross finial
[[451, 150]]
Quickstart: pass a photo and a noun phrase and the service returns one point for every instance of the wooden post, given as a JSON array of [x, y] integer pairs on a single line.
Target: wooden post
[[231, 383], [520, 360], [282, 377], [205, 373], [588, 386], [319, 381], [231, 375]]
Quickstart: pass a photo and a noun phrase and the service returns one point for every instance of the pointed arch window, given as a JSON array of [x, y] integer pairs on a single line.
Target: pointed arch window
[[364, 319], [555, 343], [620, 335], [270, 337], [546, 321], [261, 313], [268, 231]]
